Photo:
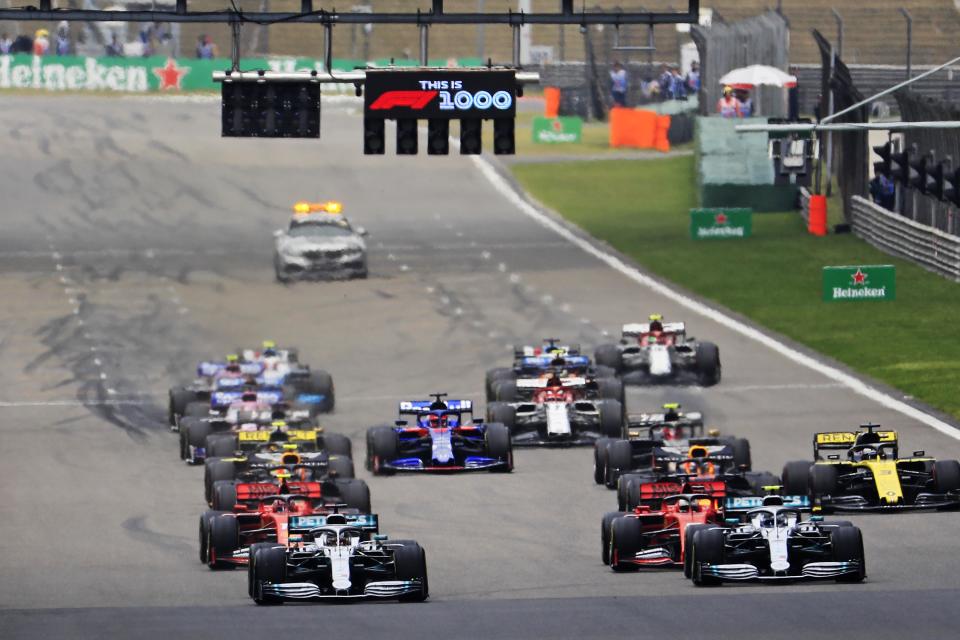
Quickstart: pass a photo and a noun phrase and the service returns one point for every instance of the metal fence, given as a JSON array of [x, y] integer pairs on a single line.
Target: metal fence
[[763, 39], [930, 248]]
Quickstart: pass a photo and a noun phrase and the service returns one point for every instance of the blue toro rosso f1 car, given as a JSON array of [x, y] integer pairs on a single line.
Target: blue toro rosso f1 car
[[443, 436]]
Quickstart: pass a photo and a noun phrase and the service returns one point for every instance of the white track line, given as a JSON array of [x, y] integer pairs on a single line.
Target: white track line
[[854, 384]]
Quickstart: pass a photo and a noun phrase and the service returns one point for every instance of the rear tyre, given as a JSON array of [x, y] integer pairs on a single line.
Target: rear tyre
[[498, 445], [619, 460], [796, 478], [847, 543], [411, 564], [221, 445], [823, 480], [601, 371], [496, 375], [179, 399], [223, 541], [611, 418], [270, 566], [605, 524], [340, 467], [197, 433], [946, 476], [216, 471], [503, 413], [708, 364], [608, 355], [741, 454], [626, 539], [612, 389], [196, 410], [707, 549], [321, 383], [600, 460], [224, 495], [338, 444], [505, 391], [355, 494], [384, 446]]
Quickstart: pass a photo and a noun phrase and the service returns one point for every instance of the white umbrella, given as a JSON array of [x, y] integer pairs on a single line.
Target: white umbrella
[[756, 75]]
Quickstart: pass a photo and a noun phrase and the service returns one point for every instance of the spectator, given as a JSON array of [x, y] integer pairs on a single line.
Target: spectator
[[115, 48], [746, 103], [679, 87], [206, 50], [22, 44], [5, 43], [41, 42], [884, 192], [728, 106], [63, 38], [650, 88], [693, 78], [666, 83], [618, 85]]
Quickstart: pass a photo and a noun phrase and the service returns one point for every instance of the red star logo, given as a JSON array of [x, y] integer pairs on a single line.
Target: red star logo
[[170, 75], [557, 126], [720, 218], [859, 277]]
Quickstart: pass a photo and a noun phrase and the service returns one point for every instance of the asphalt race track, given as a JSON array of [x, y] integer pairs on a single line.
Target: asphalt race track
[[136, 240]]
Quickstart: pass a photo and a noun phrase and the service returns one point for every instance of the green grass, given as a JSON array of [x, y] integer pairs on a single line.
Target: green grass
[[641, 208]]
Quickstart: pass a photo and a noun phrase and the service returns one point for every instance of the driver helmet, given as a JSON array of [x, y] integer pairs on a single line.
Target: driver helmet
[[656, 323], [269, 349], [672, 411]]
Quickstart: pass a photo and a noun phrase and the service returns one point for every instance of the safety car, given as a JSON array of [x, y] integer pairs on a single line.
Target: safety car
[[319, 243]]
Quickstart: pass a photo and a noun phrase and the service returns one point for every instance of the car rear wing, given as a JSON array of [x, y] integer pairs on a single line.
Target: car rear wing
[[253, 354], [208, 368], [264, 435], [416, 407], [547, 361], [637, 329], [366, 521], [843, 440], [737, 505], [541, 383], [223, 399], [258, 490]]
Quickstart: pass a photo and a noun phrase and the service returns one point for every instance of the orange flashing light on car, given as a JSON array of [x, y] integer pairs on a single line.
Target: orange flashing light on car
[[332, 206]]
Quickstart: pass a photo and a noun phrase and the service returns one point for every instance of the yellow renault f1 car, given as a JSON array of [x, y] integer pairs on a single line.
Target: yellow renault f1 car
[[871, 475]]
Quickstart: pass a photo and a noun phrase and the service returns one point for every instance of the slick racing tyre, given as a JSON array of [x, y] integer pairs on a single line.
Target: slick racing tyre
[[197, 410], [823, 480], [498, 445], [224, 496], [741, 454], [611, 418], [688, 534], [619, 460], [503, 413], [612, 389], [383, 445], [205, 519], [608, 355], [340, 467], [796, 478], [216, 470], [321, 383], [251, 558], [946, 476], [708, 547], [179, 399], [410, 561], [847, 543], [605, 525], [338, 444], [496, 375], [708, 364], [602, 372], [626, 537], [223, 540], [505, 390], [196, 434], [600, 459], [270, 566], [221, 445], [354, 493]]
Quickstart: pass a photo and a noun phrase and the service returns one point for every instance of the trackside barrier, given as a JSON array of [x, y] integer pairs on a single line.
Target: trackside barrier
[[639, 128], [805, 204], [817, 215], [892, 233], [551, 99]]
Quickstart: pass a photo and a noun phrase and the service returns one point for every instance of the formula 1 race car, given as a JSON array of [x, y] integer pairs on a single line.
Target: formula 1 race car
[[559, 412], [283, 480], [319, 243], [269, 367], [226, 537], [671, 426], [872, 476], [661, 352], [337, 558], [441, 439], [774, 544], [535, 363]]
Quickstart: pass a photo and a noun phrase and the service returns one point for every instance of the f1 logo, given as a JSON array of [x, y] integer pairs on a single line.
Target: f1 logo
[[415, 100]]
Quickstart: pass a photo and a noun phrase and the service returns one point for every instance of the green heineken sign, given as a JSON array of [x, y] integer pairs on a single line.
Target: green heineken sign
[[557, 130], [720, 223], [864, 282]]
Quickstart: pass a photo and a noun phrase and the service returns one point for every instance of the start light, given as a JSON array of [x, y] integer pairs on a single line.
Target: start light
[[317, 207]]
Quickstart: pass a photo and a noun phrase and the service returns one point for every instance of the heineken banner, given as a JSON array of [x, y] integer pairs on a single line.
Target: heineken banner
[[720, 223], [557, 130], [864, 282], [137, 75]]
